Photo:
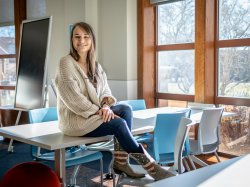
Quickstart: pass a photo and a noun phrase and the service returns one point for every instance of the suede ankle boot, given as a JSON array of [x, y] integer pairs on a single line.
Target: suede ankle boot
[[148, 163], [121, 162]]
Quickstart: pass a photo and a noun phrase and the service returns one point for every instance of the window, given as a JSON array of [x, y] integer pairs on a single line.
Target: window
[[233, 73], [218, 53], [233, 51], [12, 13], [7, 50], [175, 48]]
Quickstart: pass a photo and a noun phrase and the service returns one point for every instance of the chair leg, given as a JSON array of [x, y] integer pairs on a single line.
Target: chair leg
[[198, 161], [186, 164], [191, 161], [119, 180], [217, 156], [101, 169], [74, 175]]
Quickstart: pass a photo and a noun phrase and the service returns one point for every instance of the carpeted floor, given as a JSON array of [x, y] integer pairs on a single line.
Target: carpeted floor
[[88, 176]]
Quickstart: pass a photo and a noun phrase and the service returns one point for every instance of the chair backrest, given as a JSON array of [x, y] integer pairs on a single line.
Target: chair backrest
[[182, 133], [137, 104], [53, 86], [43, 115], [198, 107], [165, 132], [208, 132]]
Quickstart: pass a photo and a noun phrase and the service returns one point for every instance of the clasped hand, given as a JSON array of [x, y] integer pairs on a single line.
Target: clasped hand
[[106, 113]]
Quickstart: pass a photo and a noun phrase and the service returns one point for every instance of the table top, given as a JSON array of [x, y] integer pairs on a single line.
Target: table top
[[47, 135], [229, 173], [152, 112]]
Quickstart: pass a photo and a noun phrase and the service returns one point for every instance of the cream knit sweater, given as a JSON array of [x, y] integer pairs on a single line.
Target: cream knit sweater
[[77, 99]]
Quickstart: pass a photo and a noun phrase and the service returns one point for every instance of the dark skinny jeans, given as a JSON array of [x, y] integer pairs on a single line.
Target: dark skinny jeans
[[120, 128]]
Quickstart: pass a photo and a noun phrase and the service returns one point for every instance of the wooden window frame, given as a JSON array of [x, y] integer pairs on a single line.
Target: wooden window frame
[[222, 44], [170, 47], [19, 16], [205, 47]]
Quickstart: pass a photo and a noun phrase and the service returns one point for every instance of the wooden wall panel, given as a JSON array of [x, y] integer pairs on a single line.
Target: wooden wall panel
[[146, 52], [204, 51]]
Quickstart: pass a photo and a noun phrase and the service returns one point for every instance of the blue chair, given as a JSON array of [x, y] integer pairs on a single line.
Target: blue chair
[[75, 156], [164, 138], [137, 104], [176, 168]]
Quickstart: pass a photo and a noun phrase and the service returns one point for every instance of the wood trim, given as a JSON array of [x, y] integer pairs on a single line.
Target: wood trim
[[7, 87], [20, 15], [8, 56], [169, 96], [204, 51], [146, 51], [186, 46], [232, 101], [210, 52], [233, 43]]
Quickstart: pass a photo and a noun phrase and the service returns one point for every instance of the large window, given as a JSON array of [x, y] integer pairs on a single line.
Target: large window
[[233, 73], [233, 50], [12, 12], [7, 52], [175, 48], [208, 64]]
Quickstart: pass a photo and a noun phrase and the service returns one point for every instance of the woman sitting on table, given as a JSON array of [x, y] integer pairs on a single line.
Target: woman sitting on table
[[86, 106]]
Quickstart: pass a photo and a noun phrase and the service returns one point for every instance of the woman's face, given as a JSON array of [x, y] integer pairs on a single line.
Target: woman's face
[[81, 40]]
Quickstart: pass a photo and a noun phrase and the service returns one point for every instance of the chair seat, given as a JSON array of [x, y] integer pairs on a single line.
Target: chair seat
[[74, 157], [144, 138], [210, 148]]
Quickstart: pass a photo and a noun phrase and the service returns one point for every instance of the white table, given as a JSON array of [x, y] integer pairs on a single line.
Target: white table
[[229, 173], [150, 114], [48, 136]]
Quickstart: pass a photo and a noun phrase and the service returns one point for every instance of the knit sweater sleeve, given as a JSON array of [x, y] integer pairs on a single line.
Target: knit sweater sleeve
[[69, 91]]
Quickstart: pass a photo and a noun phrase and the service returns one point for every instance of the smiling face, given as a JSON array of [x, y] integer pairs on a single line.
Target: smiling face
[[81, 41]]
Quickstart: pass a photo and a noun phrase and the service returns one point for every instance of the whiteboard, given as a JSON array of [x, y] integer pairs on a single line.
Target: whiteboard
[[32, 64]]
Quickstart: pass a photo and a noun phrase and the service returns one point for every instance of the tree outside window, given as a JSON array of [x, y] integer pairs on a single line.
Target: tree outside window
[[233, 60], [176, 59]]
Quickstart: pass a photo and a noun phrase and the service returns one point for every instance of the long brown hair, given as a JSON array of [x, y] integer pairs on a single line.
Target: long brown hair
[[91, 56]]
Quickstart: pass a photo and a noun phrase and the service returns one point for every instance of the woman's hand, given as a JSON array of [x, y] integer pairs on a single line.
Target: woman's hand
[[106, 113]]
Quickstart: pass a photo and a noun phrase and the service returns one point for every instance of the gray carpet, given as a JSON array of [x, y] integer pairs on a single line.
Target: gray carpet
[[89, 174]]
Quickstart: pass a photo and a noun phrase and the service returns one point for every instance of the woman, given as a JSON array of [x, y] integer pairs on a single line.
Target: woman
[[86, 106]]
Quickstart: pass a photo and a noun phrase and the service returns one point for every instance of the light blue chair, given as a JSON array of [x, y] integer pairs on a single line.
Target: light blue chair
[[75, 156], [137, 104], [176, 168], [164, 138]]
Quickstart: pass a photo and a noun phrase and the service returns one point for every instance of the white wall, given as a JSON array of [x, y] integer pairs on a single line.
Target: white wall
[[117, 45], [114, 22]]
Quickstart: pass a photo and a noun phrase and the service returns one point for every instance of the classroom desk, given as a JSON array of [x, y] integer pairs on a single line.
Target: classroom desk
[[150, 114], [48, 136], [229, 173]]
